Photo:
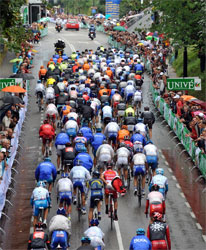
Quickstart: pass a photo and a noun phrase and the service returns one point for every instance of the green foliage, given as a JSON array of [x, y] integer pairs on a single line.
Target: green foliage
[[193, 70], [11, 24]]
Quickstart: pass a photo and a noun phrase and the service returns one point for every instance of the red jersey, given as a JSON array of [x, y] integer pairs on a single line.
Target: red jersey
[[46, 131], [109, 175]]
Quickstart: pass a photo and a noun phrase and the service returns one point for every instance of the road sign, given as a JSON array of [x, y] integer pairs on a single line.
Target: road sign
[[112, 8], [6, 82], [184, 84]]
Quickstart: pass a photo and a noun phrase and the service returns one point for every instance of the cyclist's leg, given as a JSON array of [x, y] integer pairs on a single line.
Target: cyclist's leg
[[43, 146], [115, 205], [106, 196]]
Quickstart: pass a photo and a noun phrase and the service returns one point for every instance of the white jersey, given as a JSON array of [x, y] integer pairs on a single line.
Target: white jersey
[[60, 222], [97, 101], [129, 90], [138, 95], [40, 88], [50, 94], [151, 150], [107, 111], [105, 149], [40, 193], [96, 235], [73, 115], [71, 124], [51, 110], [160, 180], [112, 127], [64, 185], [80, 172], [155, 196], [123, 152], [139, 159], [141, 127]]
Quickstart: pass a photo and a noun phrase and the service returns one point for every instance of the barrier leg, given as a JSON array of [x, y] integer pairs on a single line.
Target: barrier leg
[[174, 137], [15, 171], [184, 150], [204, 190], [2, 230], [178, 144], [5, 215], [12, 190], [193, 168], [200, 177], [9, 202], [15, 160], [187, 159]]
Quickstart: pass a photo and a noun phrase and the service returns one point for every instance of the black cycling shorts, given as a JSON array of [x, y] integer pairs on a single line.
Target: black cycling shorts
[[40, 94], [92, 200]]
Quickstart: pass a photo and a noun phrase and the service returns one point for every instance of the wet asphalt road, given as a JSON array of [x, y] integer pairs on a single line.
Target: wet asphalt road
[[185, 234]]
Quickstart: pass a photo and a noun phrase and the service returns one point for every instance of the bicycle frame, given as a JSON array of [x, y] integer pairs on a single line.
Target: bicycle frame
[[111, 210], [139, 188], [79, 204]]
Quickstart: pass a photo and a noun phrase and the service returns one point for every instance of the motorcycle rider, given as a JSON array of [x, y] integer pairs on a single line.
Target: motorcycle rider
[[92, 30]]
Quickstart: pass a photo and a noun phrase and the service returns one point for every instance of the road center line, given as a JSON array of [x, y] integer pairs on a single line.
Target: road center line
[[119, 237]]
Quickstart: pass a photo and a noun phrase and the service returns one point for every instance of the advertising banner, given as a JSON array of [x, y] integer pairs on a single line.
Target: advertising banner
[[112, 8]]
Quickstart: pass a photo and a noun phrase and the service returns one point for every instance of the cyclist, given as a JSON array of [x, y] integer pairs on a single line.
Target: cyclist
[[71, 127], [137, 101], [161, 181], [80, 142], [107, 177], [98, 140], [128, 143], [85, 244], [129, 91], [116, 99], [40, 198], [46, 131], [85, 158], [64, 193], [129, 111], [140, 241], [151, 153], [130, 121], [122, 133], [49, 95], [158, 233], [87, 133], [51, 114], [46, 171], [137, 139], [139, 160], [95, 234], [42, 73], [139, 69], [123, 155], [121, 107], [60, 231], [96, 185], [79, 176], [38, 239], [155, 201], [68, 156], [141, 127], [149, 119], [105, 153], [111, 132], [87, 112], [106, 113], [40, 91], [61, 140]]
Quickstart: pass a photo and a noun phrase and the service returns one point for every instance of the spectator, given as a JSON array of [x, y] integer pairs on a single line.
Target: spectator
[[186, 116], [7, 119], [3, 165], [201, 141]]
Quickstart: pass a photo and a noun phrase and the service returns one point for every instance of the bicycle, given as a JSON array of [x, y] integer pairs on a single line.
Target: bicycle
[[111, 209], [47, 148], [79, 204], [139, 189], [95, 211], [149, 174], [39, 101]]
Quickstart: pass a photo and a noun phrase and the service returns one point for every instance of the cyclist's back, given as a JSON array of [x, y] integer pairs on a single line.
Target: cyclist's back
[[140, 242]]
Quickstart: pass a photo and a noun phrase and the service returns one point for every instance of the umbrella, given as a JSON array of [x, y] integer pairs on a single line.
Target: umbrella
[[150, 34], [140, 44], [33, 50], [150, 38], [188, 98], [25, 76], [14, 89], [119, 28], [12, 99], [99, 15], [16, 60]]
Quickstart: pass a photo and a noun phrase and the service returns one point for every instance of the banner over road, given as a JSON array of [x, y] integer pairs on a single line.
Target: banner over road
[[112, 8]]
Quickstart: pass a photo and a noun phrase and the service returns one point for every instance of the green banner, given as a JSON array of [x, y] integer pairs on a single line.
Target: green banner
[[179, 128], [161, 105], [6, 82], [166, 112], [180, 84], [202, 163]]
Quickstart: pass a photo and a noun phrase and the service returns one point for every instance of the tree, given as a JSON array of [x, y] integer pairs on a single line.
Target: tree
[[11, 27], [181, 21]]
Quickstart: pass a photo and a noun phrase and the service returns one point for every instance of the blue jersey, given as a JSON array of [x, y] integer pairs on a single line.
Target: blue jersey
[[46, 171], [86, 160], [87, 133], [98, 139], [59, 237], [96, 186], [139, 68], [140, 242], [61, 139], [138, 137]]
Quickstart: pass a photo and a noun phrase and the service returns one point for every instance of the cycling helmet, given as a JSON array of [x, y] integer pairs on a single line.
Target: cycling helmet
[[41, 184], [110, 165], [79, 133], [47, 159], [39, 81], [64, 175], [39, 227], [140, 231], [106, 104], [122, 145], [94, 222], [61, 79], [98, 130], [126, 138], [46, 121], [157, 216], [96, 174], [85, 240], [155, 187], [148, 142], [160, 171]]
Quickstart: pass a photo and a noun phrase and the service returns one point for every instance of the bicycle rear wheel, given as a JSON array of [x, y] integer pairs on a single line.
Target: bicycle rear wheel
[[79, 204], [111, 212], [128, 179], [139, 190]]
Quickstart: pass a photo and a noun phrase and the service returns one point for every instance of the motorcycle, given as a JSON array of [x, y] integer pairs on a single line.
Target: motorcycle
[[58, 28], [92, 35]]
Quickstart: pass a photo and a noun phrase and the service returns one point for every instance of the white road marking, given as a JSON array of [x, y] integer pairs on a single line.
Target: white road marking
[[192, 214], [187, 204], [204, 237], [163, 156], [199, 226], [39, 147], [166, 163], [170, 170], [96, 42], [183, 196], [178, 186], [83, 42], [160, 151], [174, 178], [119, 237]]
